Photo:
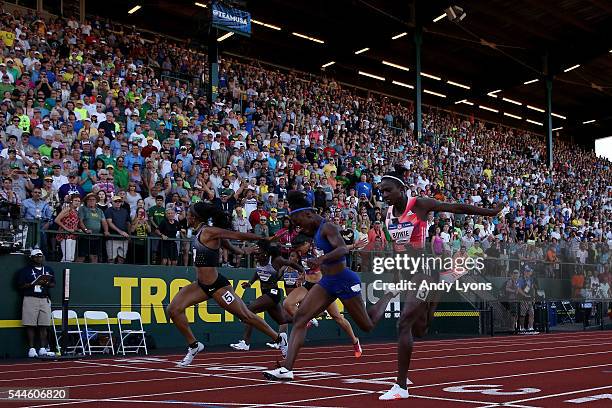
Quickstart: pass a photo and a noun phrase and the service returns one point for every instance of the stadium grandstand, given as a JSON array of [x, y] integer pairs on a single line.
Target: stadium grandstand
[[163, 160]]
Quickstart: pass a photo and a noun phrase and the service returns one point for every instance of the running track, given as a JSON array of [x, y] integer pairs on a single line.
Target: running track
[[555, 370]]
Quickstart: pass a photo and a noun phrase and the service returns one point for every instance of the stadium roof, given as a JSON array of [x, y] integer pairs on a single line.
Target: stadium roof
[[500, 45]]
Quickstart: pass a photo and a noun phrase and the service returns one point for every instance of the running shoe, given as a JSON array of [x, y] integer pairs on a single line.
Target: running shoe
[[191, 353], [240, 346], [273, 345], [283, 345], [32, 353], [395, 393], [279, 374], [312, 322], [357, 348]]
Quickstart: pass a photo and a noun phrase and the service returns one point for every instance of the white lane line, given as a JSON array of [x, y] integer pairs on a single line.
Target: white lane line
[[561, 394], [572, 337], [420, 347]]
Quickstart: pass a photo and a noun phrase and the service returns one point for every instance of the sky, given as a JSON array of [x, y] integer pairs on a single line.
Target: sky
[[603, 147]]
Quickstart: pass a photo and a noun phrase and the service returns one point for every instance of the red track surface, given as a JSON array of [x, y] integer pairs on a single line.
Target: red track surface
[[520, 371]]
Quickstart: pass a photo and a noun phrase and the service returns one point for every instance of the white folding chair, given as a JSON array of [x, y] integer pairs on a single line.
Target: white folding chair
[[72, 316], [125, 333], [97, 317]]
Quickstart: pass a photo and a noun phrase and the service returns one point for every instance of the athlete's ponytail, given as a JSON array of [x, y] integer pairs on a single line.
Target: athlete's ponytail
[[206, 212]]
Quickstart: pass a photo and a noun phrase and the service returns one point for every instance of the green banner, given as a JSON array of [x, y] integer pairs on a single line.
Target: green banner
[[148, 290]]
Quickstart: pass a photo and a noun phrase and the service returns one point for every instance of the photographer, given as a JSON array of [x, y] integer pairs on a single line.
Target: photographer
[[34, 281]]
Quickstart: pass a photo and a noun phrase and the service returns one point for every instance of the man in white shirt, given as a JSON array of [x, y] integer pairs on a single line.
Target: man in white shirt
[[137, 135], [47, 129], [216, 144], [58, 178]]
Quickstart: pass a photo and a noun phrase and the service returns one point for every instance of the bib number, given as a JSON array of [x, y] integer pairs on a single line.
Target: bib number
[[422, 294], [228, 297]]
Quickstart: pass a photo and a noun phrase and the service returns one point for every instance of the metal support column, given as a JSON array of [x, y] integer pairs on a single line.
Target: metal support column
[[81, 11], [39, 5], [548, 111], [548, 122], [213, 68], [418, 40]]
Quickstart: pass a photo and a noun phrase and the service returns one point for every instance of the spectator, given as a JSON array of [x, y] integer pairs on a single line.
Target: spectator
[[72, 187], [140, 228], [92, 222], [156, 215], [261, 228], [35, 282], [255, 216], [168, 231], [274, 224], [377, 240], [68, 221], [118, 219]]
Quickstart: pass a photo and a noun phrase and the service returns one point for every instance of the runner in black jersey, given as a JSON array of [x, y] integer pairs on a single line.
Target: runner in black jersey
[[210, 283]]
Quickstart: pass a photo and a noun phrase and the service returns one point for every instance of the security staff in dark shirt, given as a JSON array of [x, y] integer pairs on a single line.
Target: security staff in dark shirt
[[34, 281]]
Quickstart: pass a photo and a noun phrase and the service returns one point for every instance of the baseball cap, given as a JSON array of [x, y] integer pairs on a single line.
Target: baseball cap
[[36, 252], [117, 198]]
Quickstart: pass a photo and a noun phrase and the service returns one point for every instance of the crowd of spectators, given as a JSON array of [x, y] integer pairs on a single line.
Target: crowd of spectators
[[106, 135]]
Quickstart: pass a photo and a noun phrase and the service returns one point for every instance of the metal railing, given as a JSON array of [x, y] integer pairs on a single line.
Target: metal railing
[[146, 250]]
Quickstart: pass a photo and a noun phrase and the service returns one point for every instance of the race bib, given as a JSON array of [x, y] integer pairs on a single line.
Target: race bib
[[400, 233], [422, 294], [228, 297]]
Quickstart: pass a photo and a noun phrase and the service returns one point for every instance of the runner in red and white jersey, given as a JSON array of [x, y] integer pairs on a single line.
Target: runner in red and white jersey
[[407, 225]]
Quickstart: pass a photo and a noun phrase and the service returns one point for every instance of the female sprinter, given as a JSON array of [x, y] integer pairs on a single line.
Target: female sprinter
[[293, 279], [406, 222], [268, 271], [210, 283], [338, 282], [303, 246]]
